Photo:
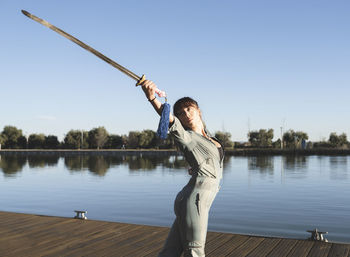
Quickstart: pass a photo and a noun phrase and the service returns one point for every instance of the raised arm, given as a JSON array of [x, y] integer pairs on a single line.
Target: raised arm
[[149, 88]]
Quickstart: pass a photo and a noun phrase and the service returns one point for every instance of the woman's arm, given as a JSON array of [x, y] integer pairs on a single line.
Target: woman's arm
[[149, 88]]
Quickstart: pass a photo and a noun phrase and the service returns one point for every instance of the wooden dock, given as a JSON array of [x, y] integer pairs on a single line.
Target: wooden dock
[[33, 235]]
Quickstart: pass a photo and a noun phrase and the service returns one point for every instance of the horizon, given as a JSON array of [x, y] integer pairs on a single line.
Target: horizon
[[250, 65]]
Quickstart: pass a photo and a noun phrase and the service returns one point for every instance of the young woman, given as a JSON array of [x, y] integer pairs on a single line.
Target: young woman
[[204, 154]]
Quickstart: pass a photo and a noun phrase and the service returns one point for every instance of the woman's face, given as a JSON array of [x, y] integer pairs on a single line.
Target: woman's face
[[190, 117]]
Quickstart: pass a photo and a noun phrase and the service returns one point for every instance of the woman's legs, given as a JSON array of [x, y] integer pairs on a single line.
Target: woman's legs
[[189, 230], [194, 223], [173, 244]]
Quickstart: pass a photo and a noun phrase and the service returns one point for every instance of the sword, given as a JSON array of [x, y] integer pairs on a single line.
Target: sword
[[132, 75]]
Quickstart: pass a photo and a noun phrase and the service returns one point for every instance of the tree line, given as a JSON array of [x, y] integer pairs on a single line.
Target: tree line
[[98, 138], [263, 138]]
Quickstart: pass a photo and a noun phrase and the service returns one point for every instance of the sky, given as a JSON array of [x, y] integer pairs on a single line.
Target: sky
[[251, 64]]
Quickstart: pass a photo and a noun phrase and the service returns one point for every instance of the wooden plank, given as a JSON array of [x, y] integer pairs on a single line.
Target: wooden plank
[[35, 222], [24, 237], [301, 248], [214, 244], [32, 235], [247, 247], [77, 235], [212, 237], [110, 245], [140, 250], [76, 245], [339, 250], [225, 248], [153, 248], [283, 248], [58, 231], [265, 247], [320, 249], [142, 246]]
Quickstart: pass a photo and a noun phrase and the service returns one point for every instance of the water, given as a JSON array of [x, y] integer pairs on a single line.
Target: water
[[269, 195]]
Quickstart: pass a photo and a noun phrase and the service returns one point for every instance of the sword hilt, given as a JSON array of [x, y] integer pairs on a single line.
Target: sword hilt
[[159, 92]]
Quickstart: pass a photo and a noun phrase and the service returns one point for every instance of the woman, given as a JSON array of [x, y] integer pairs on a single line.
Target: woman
[[204, 154]]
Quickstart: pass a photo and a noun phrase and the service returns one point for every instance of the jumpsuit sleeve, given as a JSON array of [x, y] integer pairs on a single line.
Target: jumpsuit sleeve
[[177, 131]]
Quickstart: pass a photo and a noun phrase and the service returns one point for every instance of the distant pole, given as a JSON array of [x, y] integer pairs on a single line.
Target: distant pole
[[26, 136], [248, 123], [281, 137], [82, 139]]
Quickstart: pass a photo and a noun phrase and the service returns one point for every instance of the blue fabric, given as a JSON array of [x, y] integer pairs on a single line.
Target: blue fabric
[[163, 126]]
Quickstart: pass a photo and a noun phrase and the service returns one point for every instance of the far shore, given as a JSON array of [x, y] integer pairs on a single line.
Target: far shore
[[228, 152]]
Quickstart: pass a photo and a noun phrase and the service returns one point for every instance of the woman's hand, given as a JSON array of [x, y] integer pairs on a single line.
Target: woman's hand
[[149, 88]]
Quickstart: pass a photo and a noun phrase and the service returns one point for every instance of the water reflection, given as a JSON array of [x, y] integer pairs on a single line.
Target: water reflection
[[338, 165], [100, 164], [76, 162], [295, 163], [97, 164], [40, 161], [338, 161], [263, 164], [10, 165], [266, 164]]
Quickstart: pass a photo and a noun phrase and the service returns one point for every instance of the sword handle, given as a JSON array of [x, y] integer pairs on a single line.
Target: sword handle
[[159, 92]]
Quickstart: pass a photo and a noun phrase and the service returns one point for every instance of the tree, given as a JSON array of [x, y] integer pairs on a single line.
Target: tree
[[261, 138], [343, 139], [288, 138], [22, 142], [36, 141], [51, 142], [147, 139], [224, 138], [253, 138], [337, 141], [300, 135], [292, 139], [277, 143], [98, 137], [76, 139], [10, 136], [114, 141], [133, 139], [2, 140], [167, 143]]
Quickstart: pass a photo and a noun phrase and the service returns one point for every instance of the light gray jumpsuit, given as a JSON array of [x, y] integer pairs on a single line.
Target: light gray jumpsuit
[[192, 203]]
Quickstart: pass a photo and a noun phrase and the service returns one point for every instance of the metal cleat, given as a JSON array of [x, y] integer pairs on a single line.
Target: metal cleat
[[317, 235], [80, 215]]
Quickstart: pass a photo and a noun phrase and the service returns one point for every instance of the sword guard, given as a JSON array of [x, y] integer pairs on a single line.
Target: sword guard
[[142, 79]]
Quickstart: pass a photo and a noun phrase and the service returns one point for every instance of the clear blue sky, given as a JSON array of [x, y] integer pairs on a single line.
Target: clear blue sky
[[257, 64]]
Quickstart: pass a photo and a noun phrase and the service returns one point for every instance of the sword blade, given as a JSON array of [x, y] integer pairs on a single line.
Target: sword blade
[[83, 45]]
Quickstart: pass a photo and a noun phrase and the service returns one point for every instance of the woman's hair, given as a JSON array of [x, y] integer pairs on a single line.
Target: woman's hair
[[183, 103]]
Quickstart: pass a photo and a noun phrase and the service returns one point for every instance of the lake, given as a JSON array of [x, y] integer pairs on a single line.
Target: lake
[[280, 196]]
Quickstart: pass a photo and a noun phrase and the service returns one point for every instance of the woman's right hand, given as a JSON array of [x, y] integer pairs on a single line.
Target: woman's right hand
[[149, 88]]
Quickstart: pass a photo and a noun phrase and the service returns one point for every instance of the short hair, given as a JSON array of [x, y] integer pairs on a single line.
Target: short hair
[[183, 103]]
